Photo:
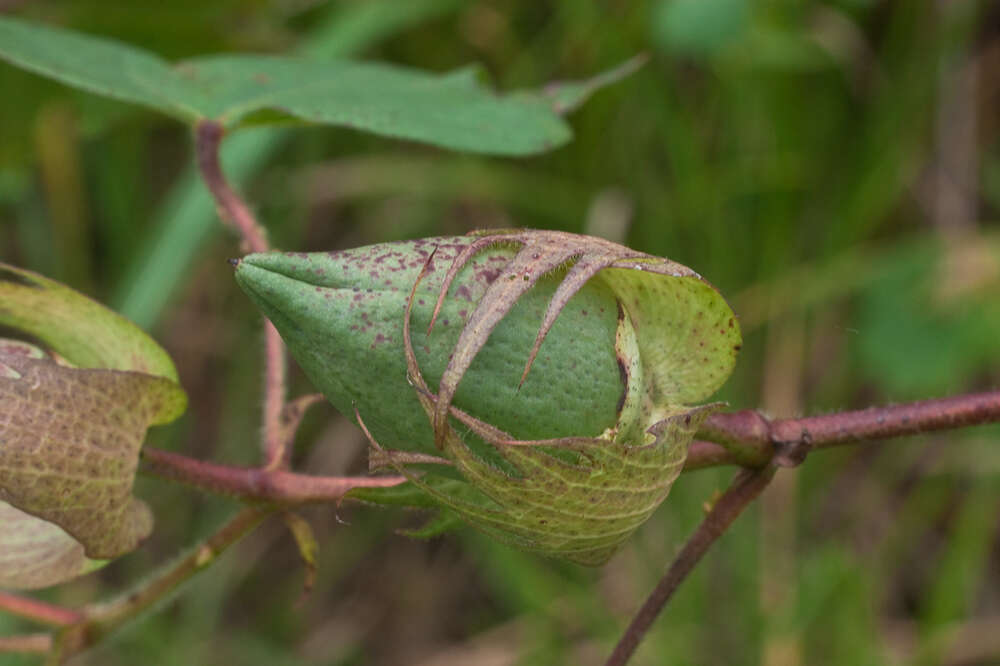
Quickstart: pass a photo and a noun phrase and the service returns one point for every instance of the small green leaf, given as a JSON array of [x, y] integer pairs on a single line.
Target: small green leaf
[[305, 541], [80, 330], [453, 110]]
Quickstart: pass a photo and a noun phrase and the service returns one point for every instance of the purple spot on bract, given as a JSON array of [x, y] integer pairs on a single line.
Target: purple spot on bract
[[488, 275]]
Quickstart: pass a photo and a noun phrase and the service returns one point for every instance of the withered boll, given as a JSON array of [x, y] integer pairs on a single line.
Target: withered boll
[[74, 411], [554, 372]]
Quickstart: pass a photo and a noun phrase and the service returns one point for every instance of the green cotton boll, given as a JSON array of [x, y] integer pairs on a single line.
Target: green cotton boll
[[341, 314], [553, 394]]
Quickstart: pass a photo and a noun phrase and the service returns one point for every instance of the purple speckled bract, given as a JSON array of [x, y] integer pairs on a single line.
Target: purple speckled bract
[[557, 381]]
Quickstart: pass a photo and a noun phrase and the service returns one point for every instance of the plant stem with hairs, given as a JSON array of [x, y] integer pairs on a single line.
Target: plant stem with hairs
[[232, 208], [767, 439], [745, 488], [257, 484], [787, 443], [38, 611]]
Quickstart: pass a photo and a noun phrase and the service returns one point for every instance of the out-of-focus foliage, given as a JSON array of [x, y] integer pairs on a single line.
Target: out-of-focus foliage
[[831, 166]]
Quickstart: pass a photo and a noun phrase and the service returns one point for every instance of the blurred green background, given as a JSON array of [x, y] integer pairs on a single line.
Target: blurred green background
[[833, 167]]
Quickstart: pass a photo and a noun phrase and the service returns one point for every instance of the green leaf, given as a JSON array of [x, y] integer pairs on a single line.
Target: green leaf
[[452, 110], [100, 66], [80, 330]]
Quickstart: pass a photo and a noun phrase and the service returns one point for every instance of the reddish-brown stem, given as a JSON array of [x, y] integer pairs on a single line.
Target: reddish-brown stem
[[703, 454], [104, 618], [762, 439], [257, 484], [746, 487], [232, 208], [39, 611], [895, 421], [749, 438], [26, 644], [274, 443]]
